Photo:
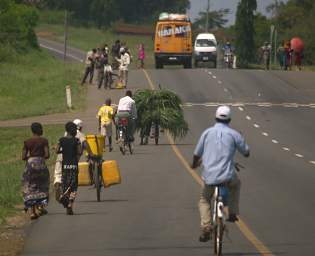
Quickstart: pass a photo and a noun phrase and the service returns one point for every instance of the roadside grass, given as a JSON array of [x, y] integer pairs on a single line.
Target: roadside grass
[[34, 83], [12, 167], [86, 38]]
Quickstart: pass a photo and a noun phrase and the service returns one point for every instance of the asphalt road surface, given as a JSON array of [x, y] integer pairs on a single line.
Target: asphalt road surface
[[154, 211]]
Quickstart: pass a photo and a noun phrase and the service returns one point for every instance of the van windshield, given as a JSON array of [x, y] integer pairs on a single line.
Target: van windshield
[[205, 43]]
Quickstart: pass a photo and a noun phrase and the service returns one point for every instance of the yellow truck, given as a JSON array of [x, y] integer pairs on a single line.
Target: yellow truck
[[173, 41]]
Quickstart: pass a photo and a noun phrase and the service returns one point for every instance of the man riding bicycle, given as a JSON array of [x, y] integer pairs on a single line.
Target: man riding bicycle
[[127, 108], [216, 149]]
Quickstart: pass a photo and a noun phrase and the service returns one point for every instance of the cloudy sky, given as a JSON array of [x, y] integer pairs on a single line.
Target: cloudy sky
[[198, 5]]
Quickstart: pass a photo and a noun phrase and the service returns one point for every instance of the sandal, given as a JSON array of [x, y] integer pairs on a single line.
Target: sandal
[[34, 216], [42, 211]]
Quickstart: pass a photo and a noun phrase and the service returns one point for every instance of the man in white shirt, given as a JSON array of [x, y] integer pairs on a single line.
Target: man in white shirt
[[123, 67], [89, 66], [127, 108]]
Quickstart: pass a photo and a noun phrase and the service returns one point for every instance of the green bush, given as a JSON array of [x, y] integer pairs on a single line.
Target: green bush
[[17, 22]]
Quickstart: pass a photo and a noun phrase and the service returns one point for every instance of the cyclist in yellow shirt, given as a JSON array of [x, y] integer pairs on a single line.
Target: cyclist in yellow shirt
[[105, 120]]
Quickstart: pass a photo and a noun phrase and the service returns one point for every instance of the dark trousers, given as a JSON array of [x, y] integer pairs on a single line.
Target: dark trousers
[[88, 71]]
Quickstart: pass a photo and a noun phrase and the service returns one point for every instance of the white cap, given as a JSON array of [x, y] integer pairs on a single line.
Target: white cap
[[223, 113], [78, 123]]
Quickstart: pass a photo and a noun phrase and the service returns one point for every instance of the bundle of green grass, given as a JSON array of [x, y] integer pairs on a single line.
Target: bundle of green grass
[[162, 107]]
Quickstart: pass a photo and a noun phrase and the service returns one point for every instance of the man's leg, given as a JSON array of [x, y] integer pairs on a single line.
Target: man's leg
[[91, 69], [86, 73], [205, 212], [234, 198], [101, 79]]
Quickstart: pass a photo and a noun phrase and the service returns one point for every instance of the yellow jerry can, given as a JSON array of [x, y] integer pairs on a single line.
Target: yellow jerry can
[[110, 173], [84, 174]]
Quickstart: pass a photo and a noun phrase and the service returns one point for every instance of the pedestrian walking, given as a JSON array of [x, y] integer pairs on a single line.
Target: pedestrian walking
[[105, 121], [115, 54], [58, 166], [70, 148], [141, 55], [123, 67], [102, 63], [36, 175], [281, 55], [89, 66]]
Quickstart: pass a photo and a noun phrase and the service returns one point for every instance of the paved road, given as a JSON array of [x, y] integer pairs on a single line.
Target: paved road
[[154, 211]]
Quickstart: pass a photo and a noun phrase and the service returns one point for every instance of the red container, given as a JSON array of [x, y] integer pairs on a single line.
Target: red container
[[297, 44]]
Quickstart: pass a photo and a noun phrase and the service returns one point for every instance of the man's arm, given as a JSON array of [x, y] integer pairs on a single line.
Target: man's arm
[[196, 162]]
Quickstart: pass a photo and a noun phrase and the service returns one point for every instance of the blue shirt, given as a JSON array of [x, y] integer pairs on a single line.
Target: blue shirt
[[217, 146]]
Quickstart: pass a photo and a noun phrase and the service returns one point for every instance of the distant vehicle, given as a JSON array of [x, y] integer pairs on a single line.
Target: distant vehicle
[[173, 41], [205, 49]]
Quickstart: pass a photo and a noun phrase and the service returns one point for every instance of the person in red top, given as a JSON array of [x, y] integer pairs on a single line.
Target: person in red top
[[36, 175]]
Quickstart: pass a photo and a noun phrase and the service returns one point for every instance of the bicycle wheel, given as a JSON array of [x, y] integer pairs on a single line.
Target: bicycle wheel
[[218, 237], [97, 180]]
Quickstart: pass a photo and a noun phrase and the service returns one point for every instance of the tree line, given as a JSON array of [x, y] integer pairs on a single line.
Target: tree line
[[104, 12]]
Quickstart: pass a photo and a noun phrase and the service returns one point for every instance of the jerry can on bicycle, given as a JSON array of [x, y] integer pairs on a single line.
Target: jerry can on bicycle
[[110, 173], [84, 178]]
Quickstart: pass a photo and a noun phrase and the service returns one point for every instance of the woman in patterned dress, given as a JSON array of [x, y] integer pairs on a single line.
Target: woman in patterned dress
[[36, 175]]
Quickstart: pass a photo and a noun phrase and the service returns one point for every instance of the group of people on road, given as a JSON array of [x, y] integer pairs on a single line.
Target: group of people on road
[[98, 61], [36, 178], [286, 55]]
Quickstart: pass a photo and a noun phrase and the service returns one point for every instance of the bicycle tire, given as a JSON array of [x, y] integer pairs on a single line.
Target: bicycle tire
[[97, 181], [218, 237]]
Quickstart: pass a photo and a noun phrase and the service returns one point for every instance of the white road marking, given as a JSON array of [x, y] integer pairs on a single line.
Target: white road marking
[[256, 126], [214, 77], [219, 82], [275, 142], [240, 108], [60, 52], [225, 89], [299, 155], [259, 94], [210, 73], [286, 149], [264, 104], [265, 134], [248, 118], [312, 162]]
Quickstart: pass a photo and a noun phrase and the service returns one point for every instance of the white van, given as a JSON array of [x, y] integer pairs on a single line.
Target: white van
[[205, 49]]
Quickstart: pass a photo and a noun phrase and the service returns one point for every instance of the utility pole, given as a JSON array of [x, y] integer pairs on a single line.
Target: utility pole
[[207, 17], [272, 30], [65, 32]]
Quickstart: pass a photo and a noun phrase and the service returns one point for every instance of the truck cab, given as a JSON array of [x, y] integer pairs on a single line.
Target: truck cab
[[205, 49]]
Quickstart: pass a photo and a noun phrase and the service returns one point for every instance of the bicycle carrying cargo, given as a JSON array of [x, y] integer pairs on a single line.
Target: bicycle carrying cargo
[[110, 173], [84, 178], [96, 143]]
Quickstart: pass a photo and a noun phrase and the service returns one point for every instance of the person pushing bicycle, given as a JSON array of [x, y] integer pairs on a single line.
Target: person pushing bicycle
[[215, 151]]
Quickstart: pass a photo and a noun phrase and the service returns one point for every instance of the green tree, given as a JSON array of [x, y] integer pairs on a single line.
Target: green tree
[[217, 19], [245, 32]]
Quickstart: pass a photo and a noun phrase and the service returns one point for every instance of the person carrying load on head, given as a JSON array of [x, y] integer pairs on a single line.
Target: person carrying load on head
[[105, 120], [127, 108]]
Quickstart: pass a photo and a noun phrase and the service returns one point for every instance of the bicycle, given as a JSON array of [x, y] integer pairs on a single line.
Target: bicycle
[[218, 217], [123, 137], [95, 168], [220, 200]]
